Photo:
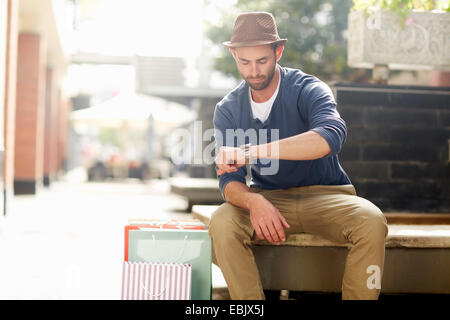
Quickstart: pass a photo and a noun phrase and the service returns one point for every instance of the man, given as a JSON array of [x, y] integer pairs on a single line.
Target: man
[[309, 191]]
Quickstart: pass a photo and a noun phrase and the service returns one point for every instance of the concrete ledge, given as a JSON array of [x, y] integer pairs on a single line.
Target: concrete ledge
[[416, 260], [194, 183], [417, 218], [196, 190], [400, 235]]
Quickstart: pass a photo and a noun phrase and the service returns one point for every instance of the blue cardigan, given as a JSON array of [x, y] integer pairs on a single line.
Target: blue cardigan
[[303, 103]]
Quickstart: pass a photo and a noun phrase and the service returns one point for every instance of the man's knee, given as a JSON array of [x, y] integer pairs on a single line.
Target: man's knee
[[372, 222], [220, 216], [227, 220]]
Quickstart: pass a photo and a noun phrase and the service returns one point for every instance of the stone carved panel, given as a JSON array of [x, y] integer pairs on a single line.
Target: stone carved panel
[[381, 39]]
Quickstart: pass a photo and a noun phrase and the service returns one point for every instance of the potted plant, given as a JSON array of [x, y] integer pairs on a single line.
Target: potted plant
[[399, 34]]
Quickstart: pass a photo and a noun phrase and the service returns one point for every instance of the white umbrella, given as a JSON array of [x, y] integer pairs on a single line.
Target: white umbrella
[[134, 110]]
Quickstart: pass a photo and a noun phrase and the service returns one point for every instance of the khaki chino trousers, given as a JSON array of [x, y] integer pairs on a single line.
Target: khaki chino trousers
[[333, 212]]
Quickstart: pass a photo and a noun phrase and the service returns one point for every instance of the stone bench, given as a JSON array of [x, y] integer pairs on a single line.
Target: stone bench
[[196, 190], [417, 258]]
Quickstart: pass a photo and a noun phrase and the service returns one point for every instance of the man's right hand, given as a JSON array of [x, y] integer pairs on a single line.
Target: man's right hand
[[267, 221]]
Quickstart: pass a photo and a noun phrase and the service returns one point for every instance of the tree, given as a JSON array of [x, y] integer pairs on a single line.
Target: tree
[[315, 30]]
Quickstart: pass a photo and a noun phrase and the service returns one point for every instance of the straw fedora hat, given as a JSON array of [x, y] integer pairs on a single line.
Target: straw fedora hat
[[254, 29]]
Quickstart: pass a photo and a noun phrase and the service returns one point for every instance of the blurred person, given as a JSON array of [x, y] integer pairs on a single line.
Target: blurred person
[[309, 192]]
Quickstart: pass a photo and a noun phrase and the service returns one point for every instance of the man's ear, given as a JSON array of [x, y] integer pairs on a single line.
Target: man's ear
[[233, 53], [279, 52]]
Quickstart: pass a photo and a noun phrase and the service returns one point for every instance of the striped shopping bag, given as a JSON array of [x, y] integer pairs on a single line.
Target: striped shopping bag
[[156, 281]]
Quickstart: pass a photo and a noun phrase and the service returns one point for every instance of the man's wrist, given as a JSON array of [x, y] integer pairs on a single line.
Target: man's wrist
[[251, 198], [246, 149]]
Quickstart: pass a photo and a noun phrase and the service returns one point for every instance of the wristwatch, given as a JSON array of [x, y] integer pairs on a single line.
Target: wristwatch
[[246, 149]]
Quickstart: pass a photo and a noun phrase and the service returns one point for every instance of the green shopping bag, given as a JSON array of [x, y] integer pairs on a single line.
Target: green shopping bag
[[175, 246]]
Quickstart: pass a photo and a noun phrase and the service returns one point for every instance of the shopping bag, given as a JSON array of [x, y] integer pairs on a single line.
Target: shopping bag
[[172, 241], [156, 281], [141, 224]]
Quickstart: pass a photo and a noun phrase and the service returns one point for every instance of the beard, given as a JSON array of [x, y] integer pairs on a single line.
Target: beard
[[263, 80]]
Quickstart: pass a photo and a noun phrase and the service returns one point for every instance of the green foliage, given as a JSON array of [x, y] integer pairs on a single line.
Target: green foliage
[[401, 7], [314, 29]]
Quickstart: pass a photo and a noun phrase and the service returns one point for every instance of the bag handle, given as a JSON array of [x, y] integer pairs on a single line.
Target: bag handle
[[182, 250], [143, 286], [156, 294]]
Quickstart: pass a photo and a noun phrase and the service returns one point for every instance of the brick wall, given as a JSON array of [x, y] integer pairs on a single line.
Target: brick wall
[[397, 148], [29, 131]]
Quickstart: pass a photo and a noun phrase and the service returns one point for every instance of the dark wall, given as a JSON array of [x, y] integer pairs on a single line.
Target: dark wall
[[397, 148]]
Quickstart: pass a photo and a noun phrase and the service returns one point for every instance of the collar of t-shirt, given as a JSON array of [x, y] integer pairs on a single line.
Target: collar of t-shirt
[[262, 110]]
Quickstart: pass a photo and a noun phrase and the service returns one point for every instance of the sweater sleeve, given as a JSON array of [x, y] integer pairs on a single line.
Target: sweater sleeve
[[223, 121], [322, 115]]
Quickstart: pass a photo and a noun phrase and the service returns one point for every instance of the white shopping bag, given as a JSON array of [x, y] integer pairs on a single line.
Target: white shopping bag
[[156, 281]]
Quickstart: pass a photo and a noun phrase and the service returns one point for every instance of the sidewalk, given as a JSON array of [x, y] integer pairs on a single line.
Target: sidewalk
[[66, 242]]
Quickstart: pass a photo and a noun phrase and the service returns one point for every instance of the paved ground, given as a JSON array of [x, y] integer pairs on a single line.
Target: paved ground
[[66, 242]]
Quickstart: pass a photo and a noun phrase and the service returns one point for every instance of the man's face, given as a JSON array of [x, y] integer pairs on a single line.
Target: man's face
[[256, 64]]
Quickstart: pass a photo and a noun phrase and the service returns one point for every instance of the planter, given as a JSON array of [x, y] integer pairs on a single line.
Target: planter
[[380, 39]]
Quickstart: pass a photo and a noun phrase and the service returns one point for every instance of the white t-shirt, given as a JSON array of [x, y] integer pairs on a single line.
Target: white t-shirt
[[262, 110]]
